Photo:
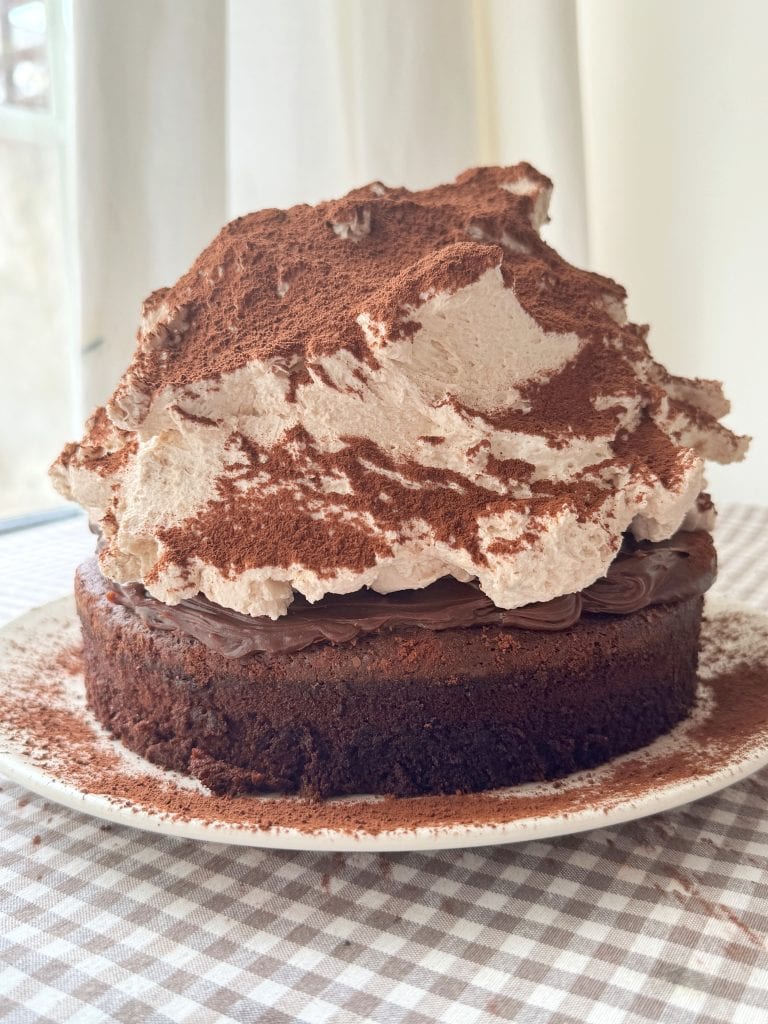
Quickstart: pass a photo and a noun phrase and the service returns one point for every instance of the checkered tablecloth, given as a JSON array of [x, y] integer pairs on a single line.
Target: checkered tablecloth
[[663, 920]]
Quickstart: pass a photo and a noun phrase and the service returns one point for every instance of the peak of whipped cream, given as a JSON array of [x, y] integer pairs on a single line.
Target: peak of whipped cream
[[384, 390]]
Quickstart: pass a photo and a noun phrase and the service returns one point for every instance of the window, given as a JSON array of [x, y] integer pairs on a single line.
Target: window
[[36, 389], [26, 80]]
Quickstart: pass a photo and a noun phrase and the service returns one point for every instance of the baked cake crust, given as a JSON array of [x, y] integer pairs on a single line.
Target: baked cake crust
[[402, 713]]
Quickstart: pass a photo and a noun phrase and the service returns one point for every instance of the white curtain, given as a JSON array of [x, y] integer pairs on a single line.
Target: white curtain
[[676, 128], [149, 162], [324, 96], [650, 116]]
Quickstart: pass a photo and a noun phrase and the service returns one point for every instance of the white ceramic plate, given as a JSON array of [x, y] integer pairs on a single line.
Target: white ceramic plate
[[687, 764]]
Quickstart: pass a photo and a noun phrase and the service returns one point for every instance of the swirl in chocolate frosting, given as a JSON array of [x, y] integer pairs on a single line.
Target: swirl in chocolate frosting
[[643, 574]]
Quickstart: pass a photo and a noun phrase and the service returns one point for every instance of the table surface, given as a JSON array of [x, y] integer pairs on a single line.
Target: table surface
[[662, 920]]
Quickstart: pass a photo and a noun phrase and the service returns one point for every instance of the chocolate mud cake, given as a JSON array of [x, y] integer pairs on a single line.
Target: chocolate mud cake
[[393, 499]]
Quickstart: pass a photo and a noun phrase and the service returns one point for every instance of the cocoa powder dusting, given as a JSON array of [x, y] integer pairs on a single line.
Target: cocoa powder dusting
[[287, 283], [648, 448], [564, 406], [292, 523], [205, 421], [35, 708], [105, 449]]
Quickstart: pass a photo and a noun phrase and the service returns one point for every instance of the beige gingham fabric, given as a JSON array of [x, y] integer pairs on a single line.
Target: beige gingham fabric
[[663, 920]]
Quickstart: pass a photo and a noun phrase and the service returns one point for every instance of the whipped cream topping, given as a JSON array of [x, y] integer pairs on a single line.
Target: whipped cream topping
[[382, 391]]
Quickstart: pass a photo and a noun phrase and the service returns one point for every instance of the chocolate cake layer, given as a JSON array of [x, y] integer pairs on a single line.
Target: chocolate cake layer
[[403, 713]]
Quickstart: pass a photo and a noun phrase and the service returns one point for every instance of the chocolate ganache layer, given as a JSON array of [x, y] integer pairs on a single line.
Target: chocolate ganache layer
[[642, 574]]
